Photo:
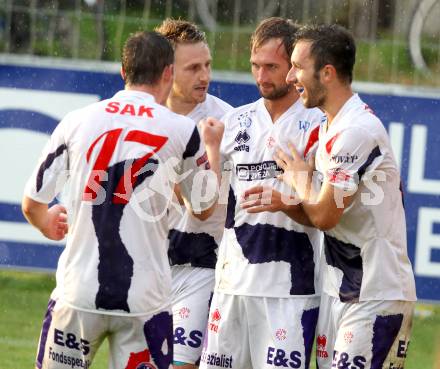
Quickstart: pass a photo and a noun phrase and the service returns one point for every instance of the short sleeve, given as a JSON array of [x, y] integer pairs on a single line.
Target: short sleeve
[[51, 172], [353, 153], [198, 184]]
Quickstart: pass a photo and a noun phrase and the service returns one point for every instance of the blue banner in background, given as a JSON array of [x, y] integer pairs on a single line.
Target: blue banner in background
[[34, 99]]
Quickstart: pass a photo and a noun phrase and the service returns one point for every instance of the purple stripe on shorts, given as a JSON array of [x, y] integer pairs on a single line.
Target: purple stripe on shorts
[[157, 330], [308, 321], [385, 331], [43, 337]]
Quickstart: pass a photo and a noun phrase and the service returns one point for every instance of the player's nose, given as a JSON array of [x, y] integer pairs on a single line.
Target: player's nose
[[291, 76], [205, 75], [261, 76]]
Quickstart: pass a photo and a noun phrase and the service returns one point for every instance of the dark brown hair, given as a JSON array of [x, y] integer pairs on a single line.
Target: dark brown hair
[[144, 58], [331, 44], [275, 27]]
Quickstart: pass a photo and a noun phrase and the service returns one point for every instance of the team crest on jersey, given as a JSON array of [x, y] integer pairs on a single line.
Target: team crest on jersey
[[270, 143], [184, 312], [244, 120], [281, 334], [321, 343], [215, 318], [338, 175], [241, 139], [140, 360]]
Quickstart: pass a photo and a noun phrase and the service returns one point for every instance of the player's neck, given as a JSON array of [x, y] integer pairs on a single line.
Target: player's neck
[[278, 107], [179, 105], [336, 100]]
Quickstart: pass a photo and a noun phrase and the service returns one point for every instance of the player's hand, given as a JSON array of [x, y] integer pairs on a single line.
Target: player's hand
[[258, 199], [212, 131], [56, 226], [297, 172]]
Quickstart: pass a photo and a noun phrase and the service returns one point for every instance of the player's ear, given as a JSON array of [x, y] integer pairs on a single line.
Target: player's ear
[[168, 73], [122, 71], [328, 73]]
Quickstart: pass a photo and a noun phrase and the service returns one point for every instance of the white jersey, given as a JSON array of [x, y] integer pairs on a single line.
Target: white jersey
[[194, 242], [115, 260], [366, 255], [266, 254]]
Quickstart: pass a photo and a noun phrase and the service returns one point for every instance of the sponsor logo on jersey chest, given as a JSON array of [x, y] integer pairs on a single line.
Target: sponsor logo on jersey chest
[[339, 159], [241, 139], [304, 125], [257, 171]]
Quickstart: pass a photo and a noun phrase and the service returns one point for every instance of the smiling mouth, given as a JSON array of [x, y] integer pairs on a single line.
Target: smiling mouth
[[201, 88]]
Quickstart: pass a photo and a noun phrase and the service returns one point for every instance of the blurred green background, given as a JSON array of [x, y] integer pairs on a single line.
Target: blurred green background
[[96, 29]]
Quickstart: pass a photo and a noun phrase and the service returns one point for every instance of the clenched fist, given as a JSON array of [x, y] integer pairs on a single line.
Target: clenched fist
[[212, 131]]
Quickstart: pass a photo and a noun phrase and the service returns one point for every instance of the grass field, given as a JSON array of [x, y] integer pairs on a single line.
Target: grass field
[[24, 296]]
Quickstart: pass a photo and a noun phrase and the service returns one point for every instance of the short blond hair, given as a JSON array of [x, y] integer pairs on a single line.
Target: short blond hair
[[179, 31]]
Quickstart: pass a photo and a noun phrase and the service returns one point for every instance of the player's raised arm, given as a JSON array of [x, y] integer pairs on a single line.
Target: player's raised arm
[[322, 210], [359, 208], [200, 188], [212, 132]]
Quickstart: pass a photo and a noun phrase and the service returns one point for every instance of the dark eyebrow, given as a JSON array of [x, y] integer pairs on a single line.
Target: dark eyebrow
[[193, 65]]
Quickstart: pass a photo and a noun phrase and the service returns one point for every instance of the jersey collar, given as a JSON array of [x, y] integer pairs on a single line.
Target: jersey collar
[[261, 109], [134, 94], [352, 103]]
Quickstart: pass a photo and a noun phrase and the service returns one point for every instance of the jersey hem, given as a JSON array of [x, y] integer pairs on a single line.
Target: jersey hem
[[163, 307], [269, 296], [371, 299]]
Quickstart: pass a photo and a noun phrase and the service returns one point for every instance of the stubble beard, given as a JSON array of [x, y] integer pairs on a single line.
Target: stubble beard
[[316, 96], [277, 92]]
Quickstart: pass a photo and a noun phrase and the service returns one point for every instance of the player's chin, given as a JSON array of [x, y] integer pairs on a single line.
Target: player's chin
[[199, 96], [308, 103], [266, 92]]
